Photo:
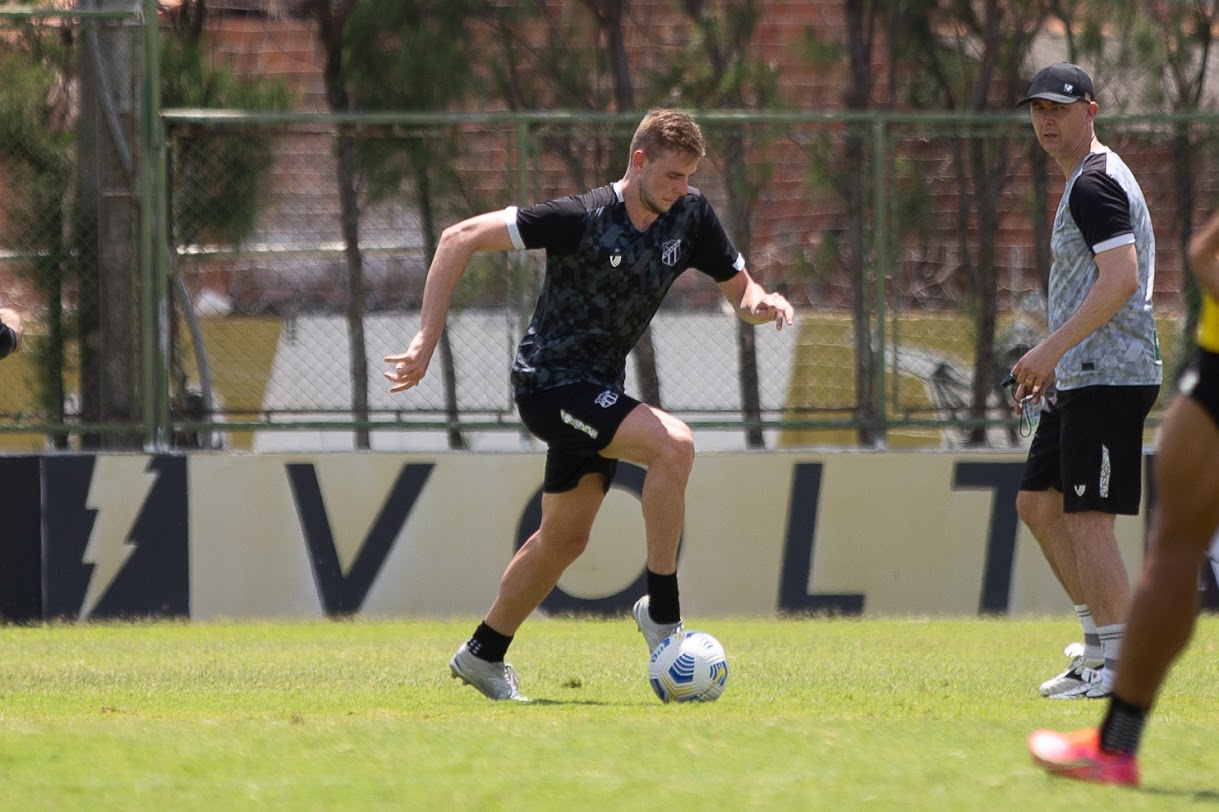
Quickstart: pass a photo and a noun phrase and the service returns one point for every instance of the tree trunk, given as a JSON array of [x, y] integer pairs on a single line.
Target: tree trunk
[[860, 39], [740, 206], [1185, 166], [448, 365], [986, 368], [331, 19], [609, 20], [353, 257]]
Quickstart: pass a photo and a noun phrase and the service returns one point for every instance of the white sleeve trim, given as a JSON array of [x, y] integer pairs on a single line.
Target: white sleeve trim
[[514, 233], [739, 265], [1113, 242]]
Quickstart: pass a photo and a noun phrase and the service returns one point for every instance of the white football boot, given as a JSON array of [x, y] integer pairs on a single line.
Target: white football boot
[[493, 680], [653, 632]]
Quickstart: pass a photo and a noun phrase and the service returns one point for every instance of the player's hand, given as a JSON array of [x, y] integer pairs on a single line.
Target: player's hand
[[1034, 372], [773, 307], [409, 366]]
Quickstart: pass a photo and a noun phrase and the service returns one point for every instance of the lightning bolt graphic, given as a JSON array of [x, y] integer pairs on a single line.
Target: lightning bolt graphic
[[118, 491]]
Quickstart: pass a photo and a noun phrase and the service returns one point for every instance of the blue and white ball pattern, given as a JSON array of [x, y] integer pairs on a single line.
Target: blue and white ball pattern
[[688, 667]]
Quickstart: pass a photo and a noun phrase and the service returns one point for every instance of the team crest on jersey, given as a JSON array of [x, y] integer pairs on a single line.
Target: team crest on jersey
[[670, 250], [615, 259], [606, 399]]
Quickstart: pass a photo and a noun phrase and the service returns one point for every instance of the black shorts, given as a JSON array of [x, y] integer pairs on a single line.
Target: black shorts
[[1089, 446], [576, 421], [1201, 382]]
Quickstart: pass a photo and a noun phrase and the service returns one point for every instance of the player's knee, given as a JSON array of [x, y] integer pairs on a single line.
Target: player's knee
[[1033, 508], [565, 547], [678, 448]]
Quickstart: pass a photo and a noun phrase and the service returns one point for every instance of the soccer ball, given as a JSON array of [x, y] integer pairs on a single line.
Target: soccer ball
[[688, 667]]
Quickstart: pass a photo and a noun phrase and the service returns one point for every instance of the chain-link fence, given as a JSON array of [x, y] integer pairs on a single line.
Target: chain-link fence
[[908, 243], [236, 283], [75, 226]]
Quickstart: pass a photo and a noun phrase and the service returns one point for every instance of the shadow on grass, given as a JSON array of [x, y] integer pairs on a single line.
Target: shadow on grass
[[1197, 796], [591, 702]]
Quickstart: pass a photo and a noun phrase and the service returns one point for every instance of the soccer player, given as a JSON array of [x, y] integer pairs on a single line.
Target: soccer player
[[10, 331], [1098, 372], [1184, 522], [611, 255]]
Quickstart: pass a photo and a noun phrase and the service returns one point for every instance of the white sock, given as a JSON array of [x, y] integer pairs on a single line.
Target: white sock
[[1111, 643], [1093, 654]]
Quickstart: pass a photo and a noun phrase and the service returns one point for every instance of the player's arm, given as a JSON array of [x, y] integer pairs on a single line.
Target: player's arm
[[1117, 281], [10, 331], [458, 243], [753, 304], [1204, 256]]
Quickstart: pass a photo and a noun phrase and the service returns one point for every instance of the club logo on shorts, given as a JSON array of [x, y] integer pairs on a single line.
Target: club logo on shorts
[[615, 259], [606, 399], [1079, 489], [669, 251]]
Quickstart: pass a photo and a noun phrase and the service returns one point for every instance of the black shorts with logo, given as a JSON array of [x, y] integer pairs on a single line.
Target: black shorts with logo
[[576, 421], [1089, 446]]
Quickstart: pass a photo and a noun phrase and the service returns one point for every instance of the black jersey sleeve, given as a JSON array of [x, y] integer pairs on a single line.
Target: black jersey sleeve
[[558, 225], [1099, 205], [713, 252]]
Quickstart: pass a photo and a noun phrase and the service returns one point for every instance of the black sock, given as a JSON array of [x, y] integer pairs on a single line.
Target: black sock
[[1123, 727], [488, 644], [663, 604]]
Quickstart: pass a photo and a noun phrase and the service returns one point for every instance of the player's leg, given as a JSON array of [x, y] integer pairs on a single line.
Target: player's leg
[[1104, 584], [1040, 507], [1041, 512], [567, 521], [665, 446], [1104, 588], [1039, 501], [1102, 467], [1186, 515]]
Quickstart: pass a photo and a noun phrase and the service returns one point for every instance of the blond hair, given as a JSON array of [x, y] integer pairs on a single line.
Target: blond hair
[[666, 129]]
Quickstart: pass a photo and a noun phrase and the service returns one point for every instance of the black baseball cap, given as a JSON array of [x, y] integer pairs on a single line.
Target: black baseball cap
[[1061, 82]]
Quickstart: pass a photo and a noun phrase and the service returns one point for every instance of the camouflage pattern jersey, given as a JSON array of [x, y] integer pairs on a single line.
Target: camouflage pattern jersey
[[605, 280]]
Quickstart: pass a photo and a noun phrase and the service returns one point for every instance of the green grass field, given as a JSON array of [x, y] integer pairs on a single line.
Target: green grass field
[[818, 714]]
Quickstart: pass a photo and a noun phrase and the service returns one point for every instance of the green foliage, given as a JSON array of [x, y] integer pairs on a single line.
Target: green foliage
[[220, 175], [570, 71], [36, 161], [411, 56]]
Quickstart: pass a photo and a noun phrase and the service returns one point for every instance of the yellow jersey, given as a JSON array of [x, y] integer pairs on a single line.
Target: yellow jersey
[[1208, 324]]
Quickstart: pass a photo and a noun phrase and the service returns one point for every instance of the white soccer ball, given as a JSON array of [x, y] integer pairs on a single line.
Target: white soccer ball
[[688, 667]]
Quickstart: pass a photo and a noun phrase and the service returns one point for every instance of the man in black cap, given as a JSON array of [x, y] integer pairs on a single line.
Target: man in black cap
[[1098, 373]]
